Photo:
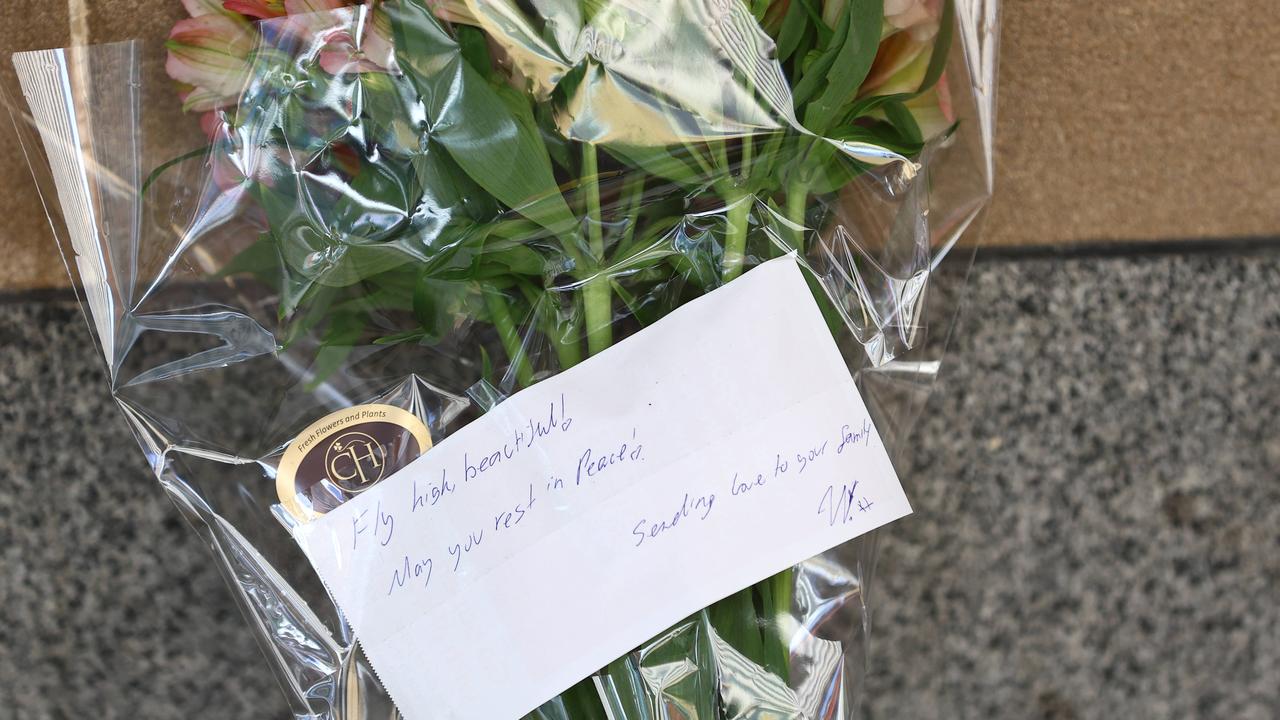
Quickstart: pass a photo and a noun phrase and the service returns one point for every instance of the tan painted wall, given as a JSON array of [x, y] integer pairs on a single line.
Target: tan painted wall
[[28, 256], [1138, 120], [1119, 120]]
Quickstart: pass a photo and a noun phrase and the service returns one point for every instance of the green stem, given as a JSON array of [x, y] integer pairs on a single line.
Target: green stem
[[597, 297], [720, 153], [155, 174], [597, 301], [766, 166], [500, 313], [780, 592], [632, 195], [738, 219], [564, 337], [797, 203]]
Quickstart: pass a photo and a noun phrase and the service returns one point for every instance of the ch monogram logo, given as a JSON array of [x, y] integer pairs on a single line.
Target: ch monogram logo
[[349, 451], [354, 461]]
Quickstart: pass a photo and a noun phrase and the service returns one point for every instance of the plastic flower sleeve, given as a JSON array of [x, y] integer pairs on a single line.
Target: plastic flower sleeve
[[429, 205]]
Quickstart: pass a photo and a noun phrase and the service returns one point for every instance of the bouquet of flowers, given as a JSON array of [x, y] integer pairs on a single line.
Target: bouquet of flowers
[[427, 206]]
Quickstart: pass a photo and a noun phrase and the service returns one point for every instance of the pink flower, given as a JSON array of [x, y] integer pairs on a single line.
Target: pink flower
[[904, 55], [773, 17], [919, 17], [333, 25], [196, 8], [302, 7], [453, 11], [903, 59], [209, 54], [259, 9], [933, 111], [346, 44], [900, 61]]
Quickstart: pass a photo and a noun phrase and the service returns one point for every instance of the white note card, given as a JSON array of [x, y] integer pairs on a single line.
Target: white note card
[[590, 512]]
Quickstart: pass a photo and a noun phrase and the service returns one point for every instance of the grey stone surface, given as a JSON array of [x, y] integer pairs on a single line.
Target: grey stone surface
[[1097, 527], [109, 606], [1097, 496]]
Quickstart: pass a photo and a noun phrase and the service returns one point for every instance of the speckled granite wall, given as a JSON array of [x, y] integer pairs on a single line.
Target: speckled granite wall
[[1097, 527]]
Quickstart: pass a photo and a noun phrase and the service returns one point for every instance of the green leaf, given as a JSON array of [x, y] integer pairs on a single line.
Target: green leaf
[[900, 118], [447, 190], [403, 337], [475, 49], [668, 163], [580, 702], [814, 70], [499, 146], [340, 338], [438, 304], [375, 204], [377, 300], [386, 102], [518, 259], [816, 22], [310, 314], [863, 20], [867, 105], [793, 27], [557, 145], [941, 46], [831, 169], [937, 63], [261, 259], [905, 141]]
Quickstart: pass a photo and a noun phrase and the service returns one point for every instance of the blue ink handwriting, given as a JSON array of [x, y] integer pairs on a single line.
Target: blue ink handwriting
[[698, 508], [839, 507], [848, 437], [415, 570], [591, 465]]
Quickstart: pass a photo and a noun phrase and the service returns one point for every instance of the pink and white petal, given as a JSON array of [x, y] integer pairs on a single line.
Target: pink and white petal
[[918, 16], [231, 36], [192, 68], [377, 45], [203, 100], [312, 19], [930, 120], [258, 9], [933, 111], [196, 8], [212, 123], [925, 31], [943, 91], [209, 51], [301, 7], [373, 52], [896, 53], [453, 11], [342, 61]]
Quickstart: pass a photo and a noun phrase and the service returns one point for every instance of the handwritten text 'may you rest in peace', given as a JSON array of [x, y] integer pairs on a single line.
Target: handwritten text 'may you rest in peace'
[[592, 464]]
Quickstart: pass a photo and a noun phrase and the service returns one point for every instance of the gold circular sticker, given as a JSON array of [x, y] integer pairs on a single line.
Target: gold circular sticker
[[345, 453]]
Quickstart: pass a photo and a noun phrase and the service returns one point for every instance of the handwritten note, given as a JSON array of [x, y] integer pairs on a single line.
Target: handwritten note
[[596, 508]]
